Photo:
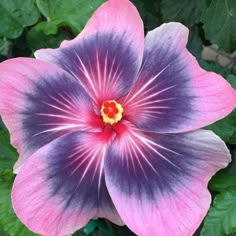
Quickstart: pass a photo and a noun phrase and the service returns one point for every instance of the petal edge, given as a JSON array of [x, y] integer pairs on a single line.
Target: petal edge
[[161, 179]]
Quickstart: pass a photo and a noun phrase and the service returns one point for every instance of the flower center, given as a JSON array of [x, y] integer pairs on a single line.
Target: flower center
[[111, 112]]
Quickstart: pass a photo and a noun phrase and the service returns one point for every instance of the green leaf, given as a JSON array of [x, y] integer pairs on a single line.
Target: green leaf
[[38, 39], [16, 15], [186, 11], [4, 46], [232, 80], [21, 48], [2, 126], [95, 227], [90, 227], [79, 233], [121, 231], [70, 13], [222, 181], [97, 224], [8, 154], [2, 58], [231, 168], [221, 217], [194, 42], [7, 176], [219, 21], [211, 66], [225, 128], [226, 178], [150, 12], [2, 233], [8, 219]]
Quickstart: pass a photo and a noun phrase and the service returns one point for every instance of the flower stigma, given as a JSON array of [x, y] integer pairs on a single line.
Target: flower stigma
[[111, 112]]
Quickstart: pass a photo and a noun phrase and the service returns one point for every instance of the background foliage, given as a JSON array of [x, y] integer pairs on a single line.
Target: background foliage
[[28, 25]]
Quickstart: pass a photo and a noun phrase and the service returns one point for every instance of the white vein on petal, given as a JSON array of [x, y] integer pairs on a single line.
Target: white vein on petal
[[150, 81]]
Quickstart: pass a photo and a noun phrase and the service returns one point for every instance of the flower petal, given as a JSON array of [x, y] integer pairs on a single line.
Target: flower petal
[[99, 56], [158, 182], [40, 102], [173, 94], [61, 187]]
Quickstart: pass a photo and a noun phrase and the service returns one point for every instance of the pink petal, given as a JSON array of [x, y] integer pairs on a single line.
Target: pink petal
[[172, 93], [158, 182], [99, 56], [40, 102], [62, 186]]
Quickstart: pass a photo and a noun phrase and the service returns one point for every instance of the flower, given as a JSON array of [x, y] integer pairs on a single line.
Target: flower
[[108, 124]]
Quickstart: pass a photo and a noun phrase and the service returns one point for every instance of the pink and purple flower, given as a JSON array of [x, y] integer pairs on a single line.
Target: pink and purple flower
[[108, 124]]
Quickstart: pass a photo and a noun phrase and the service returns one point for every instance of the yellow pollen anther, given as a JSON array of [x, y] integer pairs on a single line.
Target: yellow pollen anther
[[111, 112]]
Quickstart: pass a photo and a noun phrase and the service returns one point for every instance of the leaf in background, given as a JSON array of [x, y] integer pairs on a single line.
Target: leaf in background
[[150, 12], [2, 58], [211, 66], [232, 80], [2, 126], [90, 227], [2, 233], [221, 217], [16, 15], [21, 47], [226, 128], [8, 154], [187, 12], [7, 176], [194, 42], [70, 13], [8, 219], [79, 233], [222, 181], [4, 46], [225, 178], [231, 168], [97, 224], [38, 39], [121, 231], [219, 21]]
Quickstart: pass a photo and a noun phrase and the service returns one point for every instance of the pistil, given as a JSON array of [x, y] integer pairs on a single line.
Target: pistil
[[111, 112]]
